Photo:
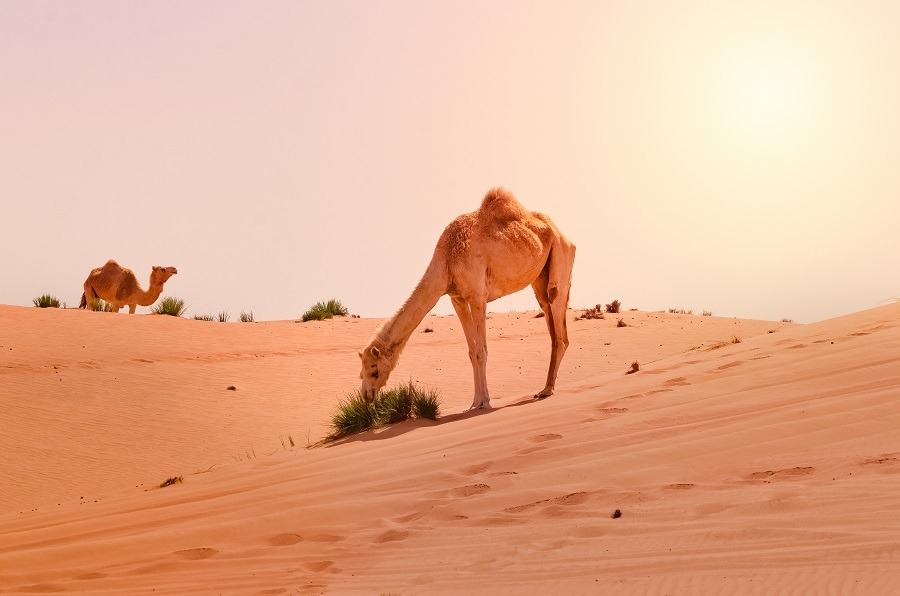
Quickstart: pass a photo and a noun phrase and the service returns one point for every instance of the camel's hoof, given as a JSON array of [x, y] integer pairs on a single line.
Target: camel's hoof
[[474, 407], [543, 395]]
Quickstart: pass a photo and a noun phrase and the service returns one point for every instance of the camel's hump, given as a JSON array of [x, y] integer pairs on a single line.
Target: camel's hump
[[500, 203]]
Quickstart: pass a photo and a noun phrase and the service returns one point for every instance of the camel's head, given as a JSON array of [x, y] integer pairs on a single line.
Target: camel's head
[[161, 275], [376, 368]]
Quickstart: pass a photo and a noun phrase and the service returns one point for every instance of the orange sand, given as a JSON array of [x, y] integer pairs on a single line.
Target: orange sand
[[769, 465]]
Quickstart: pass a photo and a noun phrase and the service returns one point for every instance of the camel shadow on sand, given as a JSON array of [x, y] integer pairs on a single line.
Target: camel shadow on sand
[[401, 428]]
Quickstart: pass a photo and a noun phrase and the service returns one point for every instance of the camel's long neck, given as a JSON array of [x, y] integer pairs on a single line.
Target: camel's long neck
[[395, 332], [149, 297]]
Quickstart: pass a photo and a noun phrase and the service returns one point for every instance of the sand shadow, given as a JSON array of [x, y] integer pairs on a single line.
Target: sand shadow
[[401, 428]]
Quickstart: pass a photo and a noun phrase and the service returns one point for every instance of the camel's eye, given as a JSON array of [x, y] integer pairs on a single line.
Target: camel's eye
[[375, 375]]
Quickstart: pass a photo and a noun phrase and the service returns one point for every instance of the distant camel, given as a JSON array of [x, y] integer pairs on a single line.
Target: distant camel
[[118, 286], [481, 256]]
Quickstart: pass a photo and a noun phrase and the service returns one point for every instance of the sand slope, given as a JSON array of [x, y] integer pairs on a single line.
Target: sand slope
[[769, 465]]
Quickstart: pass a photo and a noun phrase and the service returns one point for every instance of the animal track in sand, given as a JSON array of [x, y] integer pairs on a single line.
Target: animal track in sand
[[568, 500], [729, 365], [612, 410], [470, 490], [274, 591], [391, 536], [92, 575], [42, 589], [285, 539], [797, 347], [677, 382], [318, 566], [476, 469], [195, 554], [655, 391], [544, 438], [326, 538], [781, 474], [681, 486], [761, 357], [880, 459]]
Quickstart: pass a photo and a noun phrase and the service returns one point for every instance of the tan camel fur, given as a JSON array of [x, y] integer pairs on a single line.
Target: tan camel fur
[[119, 287], [499, 249]]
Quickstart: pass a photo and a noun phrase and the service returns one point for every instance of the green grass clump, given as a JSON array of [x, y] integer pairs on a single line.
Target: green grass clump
[[46, 301], [169, 306], [204, 318], [355, 415], [99, 305], [247, 317], [325, 310]]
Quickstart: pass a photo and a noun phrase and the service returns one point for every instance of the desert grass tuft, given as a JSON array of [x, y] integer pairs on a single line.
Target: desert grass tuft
[[325, 310], [354, 414], [224, 316], [46, 301], [735, 339], [172, 480], [635, 366], [100, 306], [621, 323], [247, 317], [169, 306], [204, 318], [707, 313], [427, 404], [613, 307]]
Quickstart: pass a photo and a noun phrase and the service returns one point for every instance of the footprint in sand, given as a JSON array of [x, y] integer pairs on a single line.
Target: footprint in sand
[[195, 554], [392, 536], [94, 575], [318, 566], [786, 473], [881, 459], [612, 410], [42, 589], [572, 499], [325, 538], [655, 391], [476, 469], [680, 486], [285, 539], [729, 365], [470, 490], [544, 438], [274, 591], [677, 382]]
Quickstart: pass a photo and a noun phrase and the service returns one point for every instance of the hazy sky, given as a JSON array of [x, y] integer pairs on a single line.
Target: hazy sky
[[737, 157]]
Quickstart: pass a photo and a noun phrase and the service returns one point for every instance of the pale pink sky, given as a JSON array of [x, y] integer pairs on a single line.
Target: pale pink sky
[[737, 158]]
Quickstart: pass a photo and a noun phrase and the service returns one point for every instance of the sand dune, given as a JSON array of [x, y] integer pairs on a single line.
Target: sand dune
[[764, 466]]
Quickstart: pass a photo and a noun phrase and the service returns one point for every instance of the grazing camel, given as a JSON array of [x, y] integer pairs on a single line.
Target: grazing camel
[[118, 286], [481, 256]]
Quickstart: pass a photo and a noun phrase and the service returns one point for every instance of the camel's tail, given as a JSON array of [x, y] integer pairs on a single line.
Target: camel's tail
[[83, 301]]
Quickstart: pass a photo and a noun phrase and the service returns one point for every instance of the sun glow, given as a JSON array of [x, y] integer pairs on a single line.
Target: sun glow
[[768, 94]]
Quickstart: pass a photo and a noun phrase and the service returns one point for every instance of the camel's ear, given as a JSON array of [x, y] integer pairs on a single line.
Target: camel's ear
[[156, 267], [375, 352], [360, 354]]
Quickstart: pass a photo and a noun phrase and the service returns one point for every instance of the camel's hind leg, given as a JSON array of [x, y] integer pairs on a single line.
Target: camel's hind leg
[[552, 291], [89, 296]]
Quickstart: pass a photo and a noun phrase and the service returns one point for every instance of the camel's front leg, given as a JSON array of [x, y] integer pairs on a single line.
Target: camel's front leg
[[132, 308], [472, 316]]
